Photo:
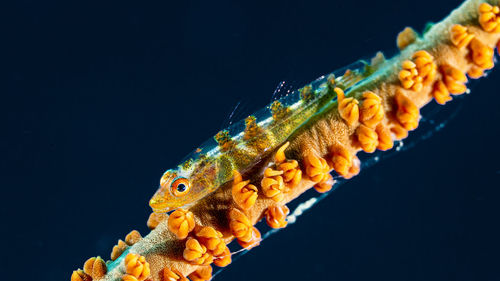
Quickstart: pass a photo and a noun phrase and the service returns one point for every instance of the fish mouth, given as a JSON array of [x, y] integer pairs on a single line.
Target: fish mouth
[[159, 205], [162, 210]]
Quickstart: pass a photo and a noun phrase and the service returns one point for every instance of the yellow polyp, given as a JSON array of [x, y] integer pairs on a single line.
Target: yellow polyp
[[325, 185], [371, 110], [128, 277], [79, 275], [406, 37], [489, 17], [278, 110], [280, 153], [118, 250], [317, 168], [203, 273], [226, 143], [254, 240], [196, 253], [367, 138], [454, 79], [341, 159], [240, 225], [291, 172], [181, 222], [155, 219], [399, 132], [273, 185], [211, 239], [481, 55], [244, 193], [384, 137], [460, 36], [441, 93], [172, 275], [95, 267], [276, 216], [224, 259], [347, 107], [137, 266], [407, 113], [133, 237]]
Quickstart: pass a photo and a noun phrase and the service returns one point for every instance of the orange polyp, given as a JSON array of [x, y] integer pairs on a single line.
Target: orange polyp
[[269, 173], [137, 266], [482, 55], [408, 76], [276, 216], [133, 237], [224, 259], [79, 275], [367, 138], [354, 169], [371, 111], [272, 185], [118, 250], [95, 267], [406, 37], [196, 253], [181, 222], [211, 239], [317, 168], [489, 17], [128, 277], [384, 137], [244, 193], [341, 159], [347, 107], [203, 273], [240, 225], [291, 172], [460, 36], [155, 219], [253, 242], [325, 185], [399, 132], [172, 275], [425, 66], [441, 93], [407, 112], [419, 72], [454, 79], [280, 157], [475, 72]]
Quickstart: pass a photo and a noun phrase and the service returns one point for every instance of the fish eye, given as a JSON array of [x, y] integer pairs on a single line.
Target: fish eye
[[180, 187]]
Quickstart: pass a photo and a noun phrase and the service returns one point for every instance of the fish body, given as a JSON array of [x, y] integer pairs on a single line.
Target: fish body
[[244, 143]]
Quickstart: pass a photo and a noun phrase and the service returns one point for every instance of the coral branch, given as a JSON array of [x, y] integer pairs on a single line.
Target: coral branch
[[368, 116]]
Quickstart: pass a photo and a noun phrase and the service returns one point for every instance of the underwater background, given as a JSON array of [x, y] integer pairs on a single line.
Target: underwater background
[[100, 98]]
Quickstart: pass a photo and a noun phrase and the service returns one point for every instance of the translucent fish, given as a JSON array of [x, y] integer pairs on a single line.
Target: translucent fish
[[247, 141]]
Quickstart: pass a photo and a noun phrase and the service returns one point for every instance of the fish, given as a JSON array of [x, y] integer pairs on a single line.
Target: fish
[[244, 143]]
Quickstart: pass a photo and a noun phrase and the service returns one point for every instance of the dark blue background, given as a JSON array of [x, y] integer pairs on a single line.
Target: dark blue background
[[101, 98]]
